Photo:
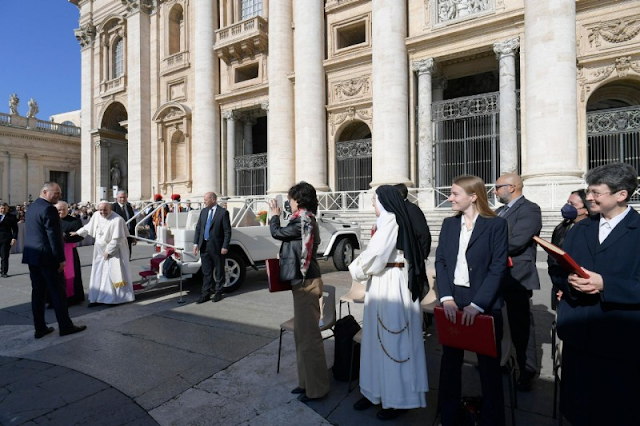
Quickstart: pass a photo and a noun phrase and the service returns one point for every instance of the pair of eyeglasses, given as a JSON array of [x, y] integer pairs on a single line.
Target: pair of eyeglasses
[[597, 194], [502, 186]]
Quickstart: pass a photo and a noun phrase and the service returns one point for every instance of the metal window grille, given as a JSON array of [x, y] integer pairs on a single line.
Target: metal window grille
[[354, 164], [250, 8], [614, 135], [118, 58], [251, 174]]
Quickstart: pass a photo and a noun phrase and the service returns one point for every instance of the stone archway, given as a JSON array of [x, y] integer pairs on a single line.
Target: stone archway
[[613, 124], [111, 156], [353, 157]]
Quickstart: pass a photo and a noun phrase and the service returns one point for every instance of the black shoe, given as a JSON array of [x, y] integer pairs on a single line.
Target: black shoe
[[297, 390], [304, 398], [362, 404], [4, 276], [526, 381], [217, 297], [73, 330], [41, 333], [203, 298], [389, 413]]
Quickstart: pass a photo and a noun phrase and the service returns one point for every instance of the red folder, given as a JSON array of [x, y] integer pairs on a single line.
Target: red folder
[[273, 274], [479, 337], [562, 257]]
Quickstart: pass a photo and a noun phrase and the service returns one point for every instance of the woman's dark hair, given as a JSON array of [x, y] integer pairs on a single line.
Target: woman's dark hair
[[617, 176], [583, 197], [305, 195]]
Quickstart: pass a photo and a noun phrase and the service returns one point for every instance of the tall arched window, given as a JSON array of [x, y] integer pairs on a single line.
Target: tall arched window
[[176, 30], [118, 58]]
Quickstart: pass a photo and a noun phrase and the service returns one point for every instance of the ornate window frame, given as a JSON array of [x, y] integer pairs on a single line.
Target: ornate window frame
[[342, 25], [171, 118], [112, 30]]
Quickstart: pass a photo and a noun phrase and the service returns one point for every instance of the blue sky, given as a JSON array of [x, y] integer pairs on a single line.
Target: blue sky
[[39, 55]]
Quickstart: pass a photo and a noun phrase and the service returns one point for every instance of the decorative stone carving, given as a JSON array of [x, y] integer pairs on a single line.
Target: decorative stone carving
[[13, 104], [451, 10], [265, 106], [506, 48], [145, 6], [587, 77], [352, 87], [614, 31], [85, 34], [336, 119], [622, 120], [424, 66], [33, 108], [229, 115]]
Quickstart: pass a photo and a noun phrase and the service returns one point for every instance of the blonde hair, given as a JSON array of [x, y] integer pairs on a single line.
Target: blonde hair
[[474, 185]]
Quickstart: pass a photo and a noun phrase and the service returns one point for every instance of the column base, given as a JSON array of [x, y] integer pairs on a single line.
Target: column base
[[393, 181], [552, 190]]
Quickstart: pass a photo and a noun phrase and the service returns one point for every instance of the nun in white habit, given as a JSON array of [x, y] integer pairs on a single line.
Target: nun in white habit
[[393, 369]]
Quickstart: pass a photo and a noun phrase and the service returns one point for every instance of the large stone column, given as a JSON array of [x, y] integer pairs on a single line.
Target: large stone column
[[311, 124], [424, 68], [139, 100], [231, 152], [550, 92], [86, 35], [247, 135], [506, 54], [280, 145], [390, 142], [206, 117]]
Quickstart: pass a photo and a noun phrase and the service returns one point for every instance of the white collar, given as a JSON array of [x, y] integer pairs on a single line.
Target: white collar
[[613, 222]]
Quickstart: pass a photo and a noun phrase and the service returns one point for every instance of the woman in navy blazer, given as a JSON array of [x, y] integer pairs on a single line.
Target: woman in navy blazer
[[471, 260]]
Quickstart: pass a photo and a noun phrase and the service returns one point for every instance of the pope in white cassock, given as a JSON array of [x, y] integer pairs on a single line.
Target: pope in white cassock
[[110, 273], [393, 368]]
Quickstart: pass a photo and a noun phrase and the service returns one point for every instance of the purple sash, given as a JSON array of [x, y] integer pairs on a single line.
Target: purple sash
[[69, 268]]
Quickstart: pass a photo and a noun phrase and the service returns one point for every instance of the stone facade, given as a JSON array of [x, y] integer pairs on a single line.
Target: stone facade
[[250, 96], [35, 151]]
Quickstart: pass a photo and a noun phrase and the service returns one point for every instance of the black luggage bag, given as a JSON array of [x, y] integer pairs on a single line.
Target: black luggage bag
[[345, 329]]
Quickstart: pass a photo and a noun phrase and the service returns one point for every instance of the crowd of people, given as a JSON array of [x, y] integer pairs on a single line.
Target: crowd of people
[[485, 259]]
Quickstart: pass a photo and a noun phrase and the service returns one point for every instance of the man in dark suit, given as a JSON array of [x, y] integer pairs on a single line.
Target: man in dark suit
[[599, 316], [418, 220], [124, 209], [8, 237], [212, 237], [44, 253], [525, 221]]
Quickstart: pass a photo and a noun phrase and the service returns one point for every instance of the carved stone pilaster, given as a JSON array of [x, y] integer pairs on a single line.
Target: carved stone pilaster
[[145, 6], [424, 66], [507, 47], [85, 34]]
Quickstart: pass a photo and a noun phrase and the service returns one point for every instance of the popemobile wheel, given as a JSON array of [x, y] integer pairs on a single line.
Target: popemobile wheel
[[235, 272], [343, 254]]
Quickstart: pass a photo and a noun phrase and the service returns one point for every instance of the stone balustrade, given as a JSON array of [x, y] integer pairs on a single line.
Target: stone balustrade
[[40, 125], [245, 38], [113, 86], [174, 62]]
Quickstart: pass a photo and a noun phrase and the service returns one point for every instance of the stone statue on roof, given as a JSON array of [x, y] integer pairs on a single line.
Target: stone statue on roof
[[33, 108], [13, 104]]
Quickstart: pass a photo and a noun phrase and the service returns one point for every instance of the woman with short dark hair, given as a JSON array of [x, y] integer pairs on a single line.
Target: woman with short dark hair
[[298, 263]]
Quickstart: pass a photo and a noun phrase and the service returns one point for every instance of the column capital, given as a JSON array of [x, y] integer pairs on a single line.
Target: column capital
[[507, 47], [85, 34], [265, 106], [134, 6], [229, 115], [424, 66]]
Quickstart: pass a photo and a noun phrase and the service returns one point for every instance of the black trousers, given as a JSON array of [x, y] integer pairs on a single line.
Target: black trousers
[[490, 378], [518, 300], [48, 280], [212, 269], [5, 249]]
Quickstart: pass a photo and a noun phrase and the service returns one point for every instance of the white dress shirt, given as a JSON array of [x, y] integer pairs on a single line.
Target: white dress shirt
[[606, 226]]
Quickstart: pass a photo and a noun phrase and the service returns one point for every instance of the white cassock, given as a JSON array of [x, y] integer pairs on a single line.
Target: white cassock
[[393, 367], [110, 278]]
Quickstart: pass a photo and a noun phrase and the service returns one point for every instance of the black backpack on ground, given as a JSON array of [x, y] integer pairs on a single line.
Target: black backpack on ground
[[171, 268], [345, 329]]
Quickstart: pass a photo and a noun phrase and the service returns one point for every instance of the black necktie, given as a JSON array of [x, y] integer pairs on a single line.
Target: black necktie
[[504, 210]]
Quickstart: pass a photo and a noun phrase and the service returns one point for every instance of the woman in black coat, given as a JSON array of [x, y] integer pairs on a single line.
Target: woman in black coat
[[300, 241]]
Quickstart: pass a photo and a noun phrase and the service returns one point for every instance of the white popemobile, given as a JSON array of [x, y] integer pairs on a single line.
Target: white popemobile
[[251, 242]]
